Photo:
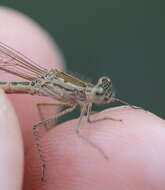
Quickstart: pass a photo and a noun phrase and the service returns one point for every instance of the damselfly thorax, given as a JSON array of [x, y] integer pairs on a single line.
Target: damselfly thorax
[[70, 91]]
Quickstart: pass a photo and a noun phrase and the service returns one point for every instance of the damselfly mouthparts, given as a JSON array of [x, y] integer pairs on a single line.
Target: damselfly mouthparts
[[68, 90]]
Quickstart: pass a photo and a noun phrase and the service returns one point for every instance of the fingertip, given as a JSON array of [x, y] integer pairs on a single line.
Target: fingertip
[[11, 148], [127, 144]]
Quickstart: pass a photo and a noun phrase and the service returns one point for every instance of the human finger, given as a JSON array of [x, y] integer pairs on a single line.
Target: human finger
[[11, 147], [134, 146]]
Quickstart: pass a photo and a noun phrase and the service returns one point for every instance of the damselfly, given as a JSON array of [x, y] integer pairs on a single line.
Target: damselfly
[[68, 90]]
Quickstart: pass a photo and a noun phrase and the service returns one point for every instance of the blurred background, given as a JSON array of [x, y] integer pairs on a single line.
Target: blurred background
[[121, 39]]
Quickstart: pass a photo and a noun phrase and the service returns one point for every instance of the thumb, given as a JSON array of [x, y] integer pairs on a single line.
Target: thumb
[[11, 154]]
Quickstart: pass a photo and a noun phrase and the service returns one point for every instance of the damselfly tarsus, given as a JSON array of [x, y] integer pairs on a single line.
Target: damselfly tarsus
[[68, 90]]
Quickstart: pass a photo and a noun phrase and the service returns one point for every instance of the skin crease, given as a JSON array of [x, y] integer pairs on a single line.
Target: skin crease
[[135, 146]]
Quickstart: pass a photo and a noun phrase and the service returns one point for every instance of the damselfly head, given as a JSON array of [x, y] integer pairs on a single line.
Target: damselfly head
[[102, 92]]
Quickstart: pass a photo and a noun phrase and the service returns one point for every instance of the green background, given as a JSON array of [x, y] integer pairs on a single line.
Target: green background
[[123, 39]]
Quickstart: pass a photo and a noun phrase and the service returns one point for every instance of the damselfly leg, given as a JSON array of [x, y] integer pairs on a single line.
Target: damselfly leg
[[51, 123], [108, 118], [41, 106]]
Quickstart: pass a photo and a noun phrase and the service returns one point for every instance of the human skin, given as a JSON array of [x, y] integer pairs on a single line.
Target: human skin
[[135, 146]]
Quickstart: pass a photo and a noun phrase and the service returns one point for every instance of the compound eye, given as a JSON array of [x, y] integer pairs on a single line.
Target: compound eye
[[104, 80]]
